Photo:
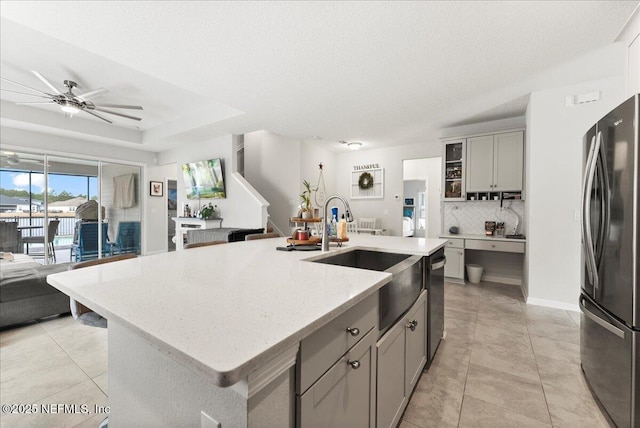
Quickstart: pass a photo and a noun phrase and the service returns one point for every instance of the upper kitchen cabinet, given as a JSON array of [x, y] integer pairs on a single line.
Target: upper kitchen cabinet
[[495, 162], [454, 170]]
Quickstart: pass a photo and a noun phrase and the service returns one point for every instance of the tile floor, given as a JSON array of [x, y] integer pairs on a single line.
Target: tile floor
[[502, 364]]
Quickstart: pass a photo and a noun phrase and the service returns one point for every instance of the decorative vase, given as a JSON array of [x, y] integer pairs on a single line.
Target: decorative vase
[[306, 214]]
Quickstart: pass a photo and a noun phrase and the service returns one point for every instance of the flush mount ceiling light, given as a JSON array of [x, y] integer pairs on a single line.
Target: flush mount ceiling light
[[353, 145]]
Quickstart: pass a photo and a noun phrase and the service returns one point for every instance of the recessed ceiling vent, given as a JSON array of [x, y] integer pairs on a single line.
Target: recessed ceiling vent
[[574, 100]]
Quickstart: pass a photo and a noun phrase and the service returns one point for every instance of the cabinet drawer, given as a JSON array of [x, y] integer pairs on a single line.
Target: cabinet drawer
[[342, 397], [323, 347], [455, 243], [507, 247]]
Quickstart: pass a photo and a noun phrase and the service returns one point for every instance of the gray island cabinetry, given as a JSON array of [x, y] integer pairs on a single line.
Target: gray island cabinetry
[[242, 335], [402, 354]]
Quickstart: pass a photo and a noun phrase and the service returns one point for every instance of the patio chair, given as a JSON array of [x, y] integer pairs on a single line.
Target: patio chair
[[87, 246], [52, 230], [10, 237], [127, 238]]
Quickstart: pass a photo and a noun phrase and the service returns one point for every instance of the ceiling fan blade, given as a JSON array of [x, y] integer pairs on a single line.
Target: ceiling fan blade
[[117, 113], [96, 115], [92, 94], [24, 93], [25, 86], [119, 106], [36, 102], [46, 82]]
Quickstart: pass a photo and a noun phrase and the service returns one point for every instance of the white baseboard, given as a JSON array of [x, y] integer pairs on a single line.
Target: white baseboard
[[524, 291], [553, 304], [502, 279]]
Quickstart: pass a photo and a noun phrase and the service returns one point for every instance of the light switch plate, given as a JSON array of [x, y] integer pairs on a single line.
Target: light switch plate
[[207, 421]]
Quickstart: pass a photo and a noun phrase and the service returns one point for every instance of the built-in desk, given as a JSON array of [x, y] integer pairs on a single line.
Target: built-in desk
[[185, 223], [501, 258]]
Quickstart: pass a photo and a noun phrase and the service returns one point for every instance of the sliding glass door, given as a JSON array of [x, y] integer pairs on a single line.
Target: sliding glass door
[[49, 207]]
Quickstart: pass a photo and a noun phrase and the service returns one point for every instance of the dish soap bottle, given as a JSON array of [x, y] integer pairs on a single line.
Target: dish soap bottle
[[334, 226], [342, 228]]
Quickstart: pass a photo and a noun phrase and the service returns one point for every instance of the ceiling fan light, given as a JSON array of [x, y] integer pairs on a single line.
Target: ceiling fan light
[[69, 107]]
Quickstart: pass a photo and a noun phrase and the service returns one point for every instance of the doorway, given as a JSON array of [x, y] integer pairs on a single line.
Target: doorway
[[172, 211], [421, 198]]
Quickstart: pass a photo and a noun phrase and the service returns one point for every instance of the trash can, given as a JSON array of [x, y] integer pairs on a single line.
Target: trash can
[[474, 272]]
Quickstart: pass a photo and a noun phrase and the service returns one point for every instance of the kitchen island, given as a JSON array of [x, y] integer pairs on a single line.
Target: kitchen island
[[213, 333]]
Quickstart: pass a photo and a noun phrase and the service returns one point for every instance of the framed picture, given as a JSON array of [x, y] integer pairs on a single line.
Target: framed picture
[[155, 188], [367, 184]]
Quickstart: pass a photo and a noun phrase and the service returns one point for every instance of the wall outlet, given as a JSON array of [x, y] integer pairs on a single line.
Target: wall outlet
[[207, 421]]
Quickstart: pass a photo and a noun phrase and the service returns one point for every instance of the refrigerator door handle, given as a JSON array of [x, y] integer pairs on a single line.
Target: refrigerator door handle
[[587, 186], [602, 323]]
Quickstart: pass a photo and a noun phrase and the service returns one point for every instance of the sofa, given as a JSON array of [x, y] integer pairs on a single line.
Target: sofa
[[24, 292]]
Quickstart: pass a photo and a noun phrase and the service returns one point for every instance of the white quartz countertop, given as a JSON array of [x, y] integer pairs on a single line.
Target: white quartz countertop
[[483, 237], [225, 310]]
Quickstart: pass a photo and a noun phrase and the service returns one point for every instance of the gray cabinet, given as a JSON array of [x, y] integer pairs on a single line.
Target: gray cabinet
[[335, 379], [454, 251], [495, 162], [342, 396], [453, 169], [402, 354]]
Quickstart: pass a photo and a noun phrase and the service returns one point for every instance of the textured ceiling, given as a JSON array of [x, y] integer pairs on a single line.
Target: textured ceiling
[[380, 72]]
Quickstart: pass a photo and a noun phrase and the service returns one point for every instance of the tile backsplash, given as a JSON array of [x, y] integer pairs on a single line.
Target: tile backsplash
[[470, 216]]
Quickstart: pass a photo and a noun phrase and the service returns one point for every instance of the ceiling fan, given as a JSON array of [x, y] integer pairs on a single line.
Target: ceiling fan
[[71, 103], [13, 159]]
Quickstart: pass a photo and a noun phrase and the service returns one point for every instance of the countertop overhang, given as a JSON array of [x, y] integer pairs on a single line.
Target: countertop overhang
[[226, 310], [482, 237]]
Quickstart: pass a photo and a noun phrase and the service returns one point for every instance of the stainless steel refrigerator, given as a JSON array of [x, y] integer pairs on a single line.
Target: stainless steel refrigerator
[[610, 301]]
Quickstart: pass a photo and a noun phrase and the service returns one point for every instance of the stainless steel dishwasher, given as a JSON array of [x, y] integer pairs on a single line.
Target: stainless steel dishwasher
[[434, 283]]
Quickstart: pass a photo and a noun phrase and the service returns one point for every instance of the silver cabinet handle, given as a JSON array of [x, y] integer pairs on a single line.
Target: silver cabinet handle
[[353, 331], [355, 364], [439, 264], [412, 325]]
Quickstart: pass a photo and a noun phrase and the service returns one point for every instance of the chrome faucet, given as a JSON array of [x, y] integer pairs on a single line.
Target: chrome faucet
[[325, 233]]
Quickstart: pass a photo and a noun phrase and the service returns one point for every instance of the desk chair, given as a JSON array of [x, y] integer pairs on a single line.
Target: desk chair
[[367, 223], [52, 231], [255, 236], [203, 244]]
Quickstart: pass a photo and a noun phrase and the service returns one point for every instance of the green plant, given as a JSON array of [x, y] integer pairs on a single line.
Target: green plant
[[305, 196]]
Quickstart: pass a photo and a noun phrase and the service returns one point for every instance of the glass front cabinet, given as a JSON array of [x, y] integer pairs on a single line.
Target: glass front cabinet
[[454, 170]]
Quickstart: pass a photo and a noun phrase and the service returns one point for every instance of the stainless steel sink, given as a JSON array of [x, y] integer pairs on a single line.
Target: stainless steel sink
[[363, 259], [397, 296]]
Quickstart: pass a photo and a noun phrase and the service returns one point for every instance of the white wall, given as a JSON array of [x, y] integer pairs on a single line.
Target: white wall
[[276, 167], [241, 208], [553, 183], [630, 38], [387, 210], [156, 218]]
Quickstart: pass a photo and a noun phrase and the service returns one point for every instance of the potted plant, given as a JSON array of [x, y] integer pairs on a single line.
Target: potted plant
[[305, 198]]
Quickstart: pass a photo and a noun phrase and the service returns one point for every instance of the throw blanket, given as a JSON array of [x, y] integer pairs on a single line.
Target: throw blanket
[[19, 282]]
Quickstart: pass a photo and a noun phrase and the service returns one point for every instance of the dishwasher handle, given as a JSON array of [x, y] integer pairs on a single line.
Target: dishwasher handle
[[439, 264]]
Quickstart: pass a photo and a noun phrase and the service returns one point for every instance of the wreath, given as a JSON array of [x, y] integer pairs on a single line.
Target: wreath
[[365, 181]]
